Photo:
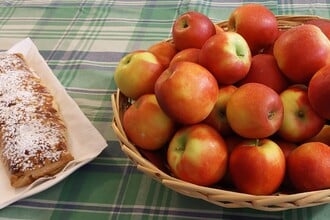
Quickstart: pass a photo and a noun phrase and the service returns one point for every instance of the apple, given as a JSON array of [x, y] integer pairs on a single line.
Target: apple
[[217, 118], [323, 24], [309, 166], [227, 56], [164, 51], [323, 136], [231, 141], [146, 124], [198, 154], [301, 51], [254, 110], [137, 72], [300, 121], [156, 157], [192, 29], [269, 49], [256, 23], [286, 147], [187, 92], [264, 69], [319, 92], [189, 54], [257, 166]]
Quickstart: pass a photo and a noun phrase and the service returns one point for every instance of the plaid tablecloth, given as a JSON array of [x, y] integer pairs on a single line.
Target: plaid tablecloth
[[82, 41]]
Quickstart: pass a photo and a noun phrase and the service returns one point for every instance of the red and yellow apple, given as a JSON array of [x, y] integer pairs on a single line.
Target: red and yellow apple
[[218, 118], [257, 166], [309, 166], [164, 51], [189, 54], [198, 154], [319, 92], [256, 23], [227, 56], [231, 141], [254, 111], [137, 72], [192, 29], [146, 124], [301, 51], [156, 157], [286, 147], [187, 92], [264, 69], [269, 49], [300, 121], [323, 24], [323, 136]]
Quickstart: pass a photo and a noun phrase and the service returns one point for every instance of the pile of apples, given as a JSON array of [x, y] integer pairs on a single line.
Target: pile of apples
[[247, 105]]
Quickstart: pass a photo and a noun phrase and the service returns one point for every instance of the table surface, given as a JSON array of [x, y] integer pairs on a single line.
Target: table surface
[[82, 41]]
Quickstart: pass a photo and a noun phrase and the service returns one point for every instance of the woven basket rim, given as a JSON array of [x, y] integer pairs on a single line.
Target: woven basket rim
[[224, 198]]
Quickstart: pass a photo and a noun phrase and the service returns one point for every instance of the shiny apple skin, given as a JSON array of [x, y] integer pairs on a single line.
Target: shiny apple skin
[[309, 166], [187, 92], [257, 166], [198, 154], [255, 110], [191, 30]]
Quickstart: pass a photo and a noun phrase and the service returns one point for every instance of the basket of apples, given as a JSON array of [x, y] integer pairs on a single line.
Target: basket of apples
[[235, 113]]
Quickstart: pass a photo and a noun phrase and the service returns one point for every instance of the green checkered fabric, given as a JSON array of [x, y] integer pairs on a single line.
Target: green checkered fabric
[[82, 41]]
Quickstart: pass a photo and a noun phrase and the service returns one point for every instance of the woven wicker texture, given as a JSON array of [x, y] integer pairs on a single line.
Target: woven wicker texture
[[224, 198]]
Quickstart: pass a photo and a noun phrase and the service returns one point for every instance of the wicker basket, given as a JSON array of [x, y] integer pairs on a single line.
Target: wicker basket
[[225, 198]]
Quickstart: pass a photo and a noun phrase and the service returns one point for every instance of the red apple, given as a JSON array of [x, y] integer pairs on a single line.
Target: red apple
[[309, 166], [323, 136], [254, 111], [286, 147], [264, 69], [257, 167], [146, 125], [198, 154], [300, 121], [192, 29], [231, 141], [323, 24], [301, 51], [187, 92], [156, 157], [164, 51], [136, 73], [269, 49], [227, 56], [189, 54], [256, 23], [319, 92], [217, 118]]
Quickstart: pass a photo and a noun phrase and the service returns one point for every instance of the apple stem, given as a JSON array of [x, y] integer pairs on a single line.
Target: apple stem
[[181, 144], [128, 59], [185, 24], [271, 115], [300, 114], [257, 142]]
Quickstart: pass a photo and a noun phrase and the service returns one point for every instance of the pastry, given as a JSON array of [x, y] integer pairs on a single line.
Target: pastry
[[33, 140]]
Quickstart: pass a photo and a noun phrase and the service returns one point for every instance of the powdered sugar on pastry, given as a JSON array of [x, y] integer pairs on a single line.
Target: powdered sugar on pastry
[[32, 134]]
